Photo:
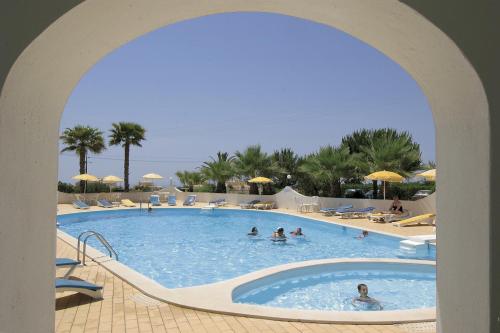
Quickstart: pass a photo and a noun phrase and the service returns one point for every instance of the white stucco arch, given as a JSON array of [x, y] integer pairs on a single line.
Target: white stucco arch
[[43, 76]]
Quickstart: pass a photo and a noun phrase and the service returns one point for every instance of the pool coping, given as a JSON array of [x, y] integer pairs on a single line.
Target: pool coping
[[217, 297]]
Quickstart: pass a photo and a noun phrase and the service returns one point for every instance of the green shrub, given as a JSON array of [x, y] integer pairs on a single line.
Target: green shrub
[[65, 187]]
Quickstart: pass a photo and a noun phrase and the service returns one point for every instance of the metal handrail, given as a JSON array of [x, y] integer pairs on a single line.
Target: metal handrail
[[104, 242]]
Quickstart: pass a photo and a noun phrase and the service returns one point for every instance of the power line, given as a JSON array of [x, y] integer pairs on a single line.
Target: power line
[[138, 160]]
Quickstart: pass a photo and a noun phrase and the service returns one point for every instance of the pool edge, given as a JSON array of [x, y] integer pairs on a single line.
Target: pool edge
[[217, 297]]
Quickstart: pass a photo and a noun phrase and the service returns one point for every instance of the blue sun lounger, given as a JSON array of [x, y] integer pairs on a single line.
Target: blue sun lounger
[[67, 262], [79, 204], [190, 200], [249, 204], [155, 200], [62, 262], [352, 213], [218, 202], [104, 203], [171, 200], [79, 286], [333, 210]]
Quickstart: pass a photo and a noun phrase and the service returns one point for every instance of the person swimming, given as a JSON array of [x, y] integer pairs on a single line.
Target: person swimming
[[363, 297], [297, 232], [279, 235], [362, 235], [253, 232]]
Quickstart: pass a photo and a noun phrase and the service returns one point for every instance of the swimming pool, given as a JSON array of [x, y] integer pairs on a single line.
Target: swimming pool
[[184, 247], [333, 287]]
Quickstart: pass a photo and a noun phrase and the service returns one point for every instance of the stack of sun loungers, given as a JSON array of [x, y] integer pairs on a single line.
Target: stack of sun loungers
[[190, 200], [249, 204], [155, 200], [79, 204], [171, 200], [333, 210], [217, 203], [264, 205], [354, 213], [385, 217], [104, 203]]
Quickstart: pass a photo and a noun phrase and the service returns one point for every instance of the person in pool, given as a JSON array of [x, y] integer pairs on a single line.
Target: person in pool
[[279, 235], [297, 232], [363, 297], [362, 235], [253, 232]]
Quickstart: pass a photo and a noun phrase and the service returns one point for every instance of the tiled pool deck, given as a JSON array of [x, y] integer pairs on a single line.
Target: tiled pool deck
[[125, 309]]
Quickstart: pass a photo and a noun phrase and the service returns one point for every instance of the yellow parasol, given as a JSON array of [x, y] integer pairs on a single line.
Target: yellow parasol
[[86, 178], [260, 180], [151, 177], [111, 180], [429, 175], [385, 176]]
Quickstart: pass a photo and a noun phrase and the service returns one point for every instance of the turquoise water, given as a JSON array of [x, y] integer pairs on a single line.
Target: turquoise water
[[394, 290], [189, 247]]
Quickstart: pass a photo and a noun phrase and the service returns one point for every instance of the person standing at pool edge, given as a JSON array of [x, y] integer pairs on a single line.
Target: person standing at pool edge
[[363, 297]]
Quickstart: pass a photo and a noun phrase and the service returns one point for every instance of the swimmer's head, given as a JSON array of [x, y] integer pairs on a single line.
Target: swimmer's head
[[365, 233], [363, 289], [280, 230], [254, 229]]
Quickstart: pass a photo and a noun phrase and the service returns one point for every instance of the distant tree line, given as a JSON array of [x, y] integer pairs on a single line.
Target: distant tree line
[[321, 173]]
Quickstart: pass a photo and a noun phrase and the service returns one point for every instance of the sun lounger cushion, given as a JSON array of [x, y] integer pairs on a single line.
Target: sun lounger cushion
[[415, 220], [66, 262], [76, 284]]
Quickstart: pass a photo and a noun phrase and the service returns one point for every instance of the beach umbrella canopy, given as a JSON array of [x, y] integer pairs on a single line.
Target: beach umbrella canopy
[[152, 176], [260, 180], [429, 175], [111, 179], [86, 178], [385, 176]]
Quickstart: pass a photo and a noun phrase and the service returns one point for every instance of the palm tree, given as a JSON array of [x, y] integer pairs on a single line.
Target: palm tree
[[383, 149], [253, 162], [189, 179], [126, 134], [328, 166], [219, 170], [82, 140], [287, 162]]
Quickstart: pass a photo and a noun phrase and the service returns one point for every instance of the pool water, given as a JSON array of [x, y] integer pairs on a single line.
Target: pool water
[[188, 247], [394, 290]]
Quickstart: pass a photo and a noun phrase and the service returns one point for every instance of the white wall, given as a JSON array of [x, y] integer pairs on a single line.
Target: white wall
[[40, 79], [287, 198]]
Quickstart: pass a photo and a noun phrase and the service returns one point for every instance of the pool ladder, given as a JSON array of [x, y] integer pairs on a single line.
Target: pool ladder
[[104, 242]]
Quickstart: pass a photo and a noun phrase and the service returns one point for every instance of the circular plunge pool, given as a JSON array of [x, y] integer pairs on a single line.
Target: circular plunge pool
[[332, 287]]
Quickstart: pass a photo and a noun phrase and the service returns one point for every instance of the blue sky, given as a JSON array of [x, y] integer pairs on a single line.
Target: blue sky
[[226, 81]]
